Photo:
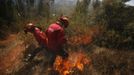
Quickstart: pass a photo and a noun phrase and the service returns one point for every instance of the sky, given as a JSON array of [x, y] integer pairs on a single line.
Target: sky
[[130, 3]]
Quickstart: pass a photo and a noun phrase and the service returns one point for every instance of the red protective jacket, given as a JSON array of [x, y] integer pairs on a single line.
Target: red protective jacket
[[40, 37], [56, 37]]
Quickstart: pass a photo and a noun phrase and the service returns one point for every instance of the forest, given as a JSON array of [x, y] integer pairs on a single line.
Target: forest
[[100, 36]]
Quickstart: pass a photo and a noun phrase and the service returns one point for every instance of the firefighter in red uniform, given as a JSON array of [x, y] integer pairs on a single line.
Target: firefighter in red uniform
[[53, 39], [40, 37], [56, 38]]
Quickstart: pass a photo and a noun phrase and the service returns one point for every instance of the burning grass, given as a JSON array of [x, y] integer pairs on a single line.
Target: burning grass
[[75, 62]]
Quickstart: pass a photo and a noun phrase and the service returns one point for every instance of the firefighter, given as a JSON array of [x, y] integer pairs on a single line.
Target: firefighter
[[56, 38], [53, 39], [40, 37]]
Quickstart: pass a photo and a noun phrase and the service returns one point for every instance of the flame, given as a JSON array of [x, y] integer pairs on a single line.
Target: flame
[[76, 60]]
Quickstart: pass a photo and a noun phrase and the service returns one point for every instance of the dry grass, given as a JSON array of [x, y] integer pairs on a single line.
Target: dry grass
[[111, 62], [103, 61]]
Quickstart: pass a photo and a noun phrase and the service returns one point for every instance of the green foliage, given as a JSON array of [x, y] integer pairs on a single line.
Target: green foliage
[[6, 17], [119, 22], [14, 14]]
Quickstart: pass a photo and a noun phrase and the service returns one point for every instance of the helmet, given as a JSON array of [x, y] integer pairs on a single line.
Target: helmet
[[29, 27], [64, 21]]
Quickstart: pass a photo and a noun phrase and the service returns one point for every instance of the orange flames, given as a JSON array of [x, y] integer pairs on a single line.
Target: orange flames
[[76, 60]]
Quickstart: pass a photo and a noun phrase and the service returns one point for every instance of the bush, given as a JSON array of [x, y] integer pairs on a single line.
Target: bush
[[119, 26]]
